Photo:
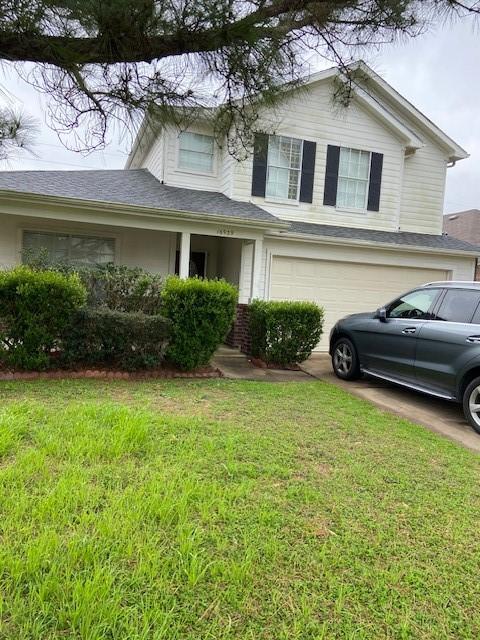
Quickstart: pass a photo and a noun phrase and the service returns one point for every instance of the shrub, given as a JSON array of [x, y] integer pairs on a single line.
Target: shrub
[[117, 287], [35, 307], [120, 339], [284, 333], [202, 312]]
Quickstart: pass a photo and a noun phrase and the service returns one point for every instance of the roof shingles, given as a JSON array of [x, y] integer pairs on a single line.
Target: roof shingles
[[137, 187]]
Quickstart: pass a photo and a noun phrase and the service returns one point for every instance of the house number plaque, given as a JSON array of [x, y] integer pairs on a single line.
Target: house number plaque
[[225, 232]]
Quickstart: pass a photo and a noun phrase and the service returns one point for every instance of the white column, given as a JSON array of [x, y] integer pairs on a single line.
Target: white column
[[184, 269], [256, 269]]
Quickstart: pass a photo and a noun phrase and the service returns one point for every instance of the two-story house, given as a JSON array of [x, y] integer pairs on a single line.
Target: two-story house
[[342, 206]]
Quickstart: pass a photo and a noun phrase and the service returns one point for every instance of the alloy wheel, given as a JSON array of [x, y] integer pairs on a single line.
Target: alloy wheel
[[343, 359], [474, 405]]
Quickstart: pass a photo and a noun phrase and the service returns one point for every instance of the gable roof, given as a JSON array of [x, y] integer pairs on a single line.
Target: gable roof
[[455, 151], [136, 187]]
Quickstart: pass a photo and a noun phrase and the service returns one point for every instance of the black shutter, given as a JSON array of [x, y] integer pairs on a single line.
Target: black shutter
[[308, 170], [331, 176], [259, 173], [376, 165]]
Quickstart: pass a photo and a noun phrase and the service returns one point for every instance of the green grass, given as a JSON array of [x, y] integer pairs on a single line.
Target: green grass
[[230, 510]]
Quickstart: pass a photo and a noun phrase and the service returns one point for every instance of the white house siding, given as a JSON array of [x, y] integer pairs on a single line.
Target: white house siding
[[313, 116], [423, 191], [151, 250]]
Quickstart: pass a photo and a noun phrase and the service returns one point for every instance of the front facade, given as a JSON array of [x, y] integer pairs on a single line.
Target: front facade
[[342, 206]]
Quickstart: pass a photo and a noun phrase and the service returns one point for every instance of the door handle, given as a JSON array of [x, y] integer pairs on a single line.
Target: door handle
[[473, 339], [410, 330]]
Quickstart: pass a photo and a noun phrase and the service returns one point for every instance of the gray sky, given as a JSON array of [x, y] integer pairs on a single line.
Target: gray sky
[[438, 72]]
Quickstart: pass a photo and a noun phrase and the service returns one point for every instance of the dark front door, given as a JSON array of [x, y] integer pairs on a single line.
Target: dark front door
[[198, 264], [389, 347]]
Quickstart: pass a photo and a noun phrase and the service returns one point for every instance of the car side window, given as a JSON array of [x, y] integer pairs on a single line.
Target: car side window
[[414, 305], [458, 305]]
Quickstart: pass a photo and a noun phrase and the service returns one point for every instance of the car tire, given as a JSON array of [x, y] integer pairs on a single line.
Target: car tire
[[345, 360], [471, 404]]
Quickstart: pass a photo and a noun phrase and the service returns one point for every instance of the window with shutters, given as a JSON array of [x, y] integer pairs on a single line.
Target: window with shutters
[[195, 152], [353, 178], [284, 166], [69, 248]]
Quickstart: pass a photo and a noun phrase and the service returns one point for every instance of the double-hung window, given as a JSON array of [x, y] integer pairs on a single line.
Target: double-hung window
[[195, 152], [284, 166], [353, 178], [69, 248]]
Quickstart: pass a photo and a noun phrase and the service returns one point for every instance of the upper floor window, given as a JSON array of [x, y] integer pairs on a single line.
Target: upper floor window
[[353, 178], [195, 152], [72, 249], [284, 167]]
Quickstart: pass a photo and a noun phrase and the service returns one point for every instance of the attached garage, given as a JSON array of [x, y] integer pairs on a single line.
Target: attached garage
[[344, 287]]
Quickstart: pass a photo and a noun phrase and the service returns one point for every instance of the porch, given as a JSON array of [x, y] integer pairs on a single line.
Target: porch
[[183, 248]]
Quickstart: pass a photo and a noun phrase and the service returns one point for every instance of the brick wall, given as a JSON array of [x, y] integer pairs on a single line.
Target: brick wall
[[239, 335]]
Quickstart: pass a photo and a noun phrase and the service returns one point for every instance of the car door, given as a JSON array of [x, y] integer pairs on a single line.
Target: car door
[[448, 341], [388, 347]]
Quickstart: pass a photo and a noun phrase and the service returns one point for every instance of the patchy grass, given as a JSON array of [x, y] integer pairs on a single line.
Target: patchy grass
[[230, 510]]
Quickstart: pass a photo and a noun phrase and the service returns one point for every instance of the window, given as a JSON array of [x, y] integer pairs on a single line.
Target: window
[[62, 247], [353, 178], [414, 305], [283, 167], [458, 305], [195, 152]]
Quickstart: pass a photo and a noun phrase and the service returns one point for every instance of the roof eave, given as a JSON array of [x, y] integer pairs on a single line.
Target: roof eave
[[105, 205], [370, 243]]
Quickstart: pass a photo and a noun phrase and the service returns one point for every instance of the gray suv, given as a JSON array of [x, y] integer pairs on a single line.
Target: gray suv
[[427, 339]]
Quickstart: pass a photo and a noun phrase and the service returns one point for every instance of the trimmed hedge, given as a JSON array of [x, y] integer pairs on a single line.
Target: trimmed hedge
[[114, 286], [284, 333], [202, 312], [104, 337], [35, 308]]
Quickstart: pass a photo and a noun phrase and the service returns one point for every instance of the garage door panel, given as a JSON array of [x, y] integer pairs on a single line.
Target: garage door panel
[[343, 287]]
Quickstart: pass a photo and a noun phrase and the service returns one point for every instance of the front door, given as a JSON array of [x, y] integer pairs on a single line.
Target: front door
[[389, 347]]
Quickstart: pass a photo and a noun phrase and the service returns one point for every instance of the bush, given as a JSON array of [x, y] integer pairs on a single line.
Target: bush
[[202, 312], [103, 337], [35, 307], [117, 287], [284, 333]]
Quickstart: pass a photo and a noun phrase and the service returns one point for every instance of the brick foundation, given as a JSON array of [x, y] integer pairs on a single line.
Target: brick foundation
[[239, 335]]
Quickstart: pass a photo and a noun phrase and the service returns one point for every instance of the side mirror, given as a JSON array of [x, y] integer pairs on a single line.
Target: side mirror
[[381, 314]]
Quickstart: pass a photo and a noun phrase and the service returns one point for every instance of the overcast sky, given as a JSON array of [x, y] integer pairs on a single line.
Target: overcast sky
[[438, 72]]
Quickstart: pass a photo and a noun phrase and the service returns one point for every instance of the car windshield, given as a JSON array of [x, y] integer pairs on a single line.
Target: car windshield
[[413, 305]]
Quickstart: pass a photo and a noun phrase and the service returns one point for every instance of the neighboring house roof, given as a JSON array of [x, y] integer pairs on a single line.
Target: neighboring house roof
[[464, 225], [402, 238], [137, 187]]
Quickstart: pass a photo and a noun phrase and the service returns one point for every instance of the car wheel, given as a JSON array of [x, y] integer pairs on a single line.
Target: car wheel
[[471, 404], [345, 360]]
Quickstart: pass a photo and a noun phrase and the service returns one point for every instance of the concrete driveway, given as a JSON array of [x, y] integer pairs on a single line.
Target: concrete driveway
[[437, 415]]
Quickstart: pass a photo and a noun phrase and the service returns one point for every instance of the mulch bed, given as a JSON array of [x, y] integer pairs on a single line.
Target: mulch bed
[[261, 364], [110, 374]]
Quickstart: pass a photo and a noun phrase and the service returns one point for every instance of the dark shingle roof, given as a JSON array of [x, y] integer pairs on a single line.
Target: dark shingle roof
[[136, 187], [405, 238]]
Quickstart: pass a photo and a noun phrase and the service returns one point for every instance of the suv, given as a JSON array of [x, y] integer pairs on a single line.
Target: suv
[[428, 340]]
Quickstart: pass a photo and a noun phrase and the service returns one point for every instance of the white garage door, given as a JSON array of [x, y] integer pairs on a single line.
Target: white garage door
[[343, 287]]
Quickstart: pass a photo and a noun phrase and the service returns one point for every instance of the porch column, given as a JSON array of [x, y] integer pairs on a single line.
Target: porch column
[[184, 267], [255, 289]]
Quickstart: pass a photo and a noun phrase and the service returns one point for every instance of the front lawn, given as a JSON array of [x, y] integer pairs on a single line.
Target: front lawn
[[230, 510]]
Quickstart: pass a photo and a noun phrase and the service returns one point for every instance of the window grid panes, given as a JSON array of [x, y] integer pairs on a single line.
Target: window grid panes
[[284, 167], [353, 176], [70, 248], [195, 152]]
